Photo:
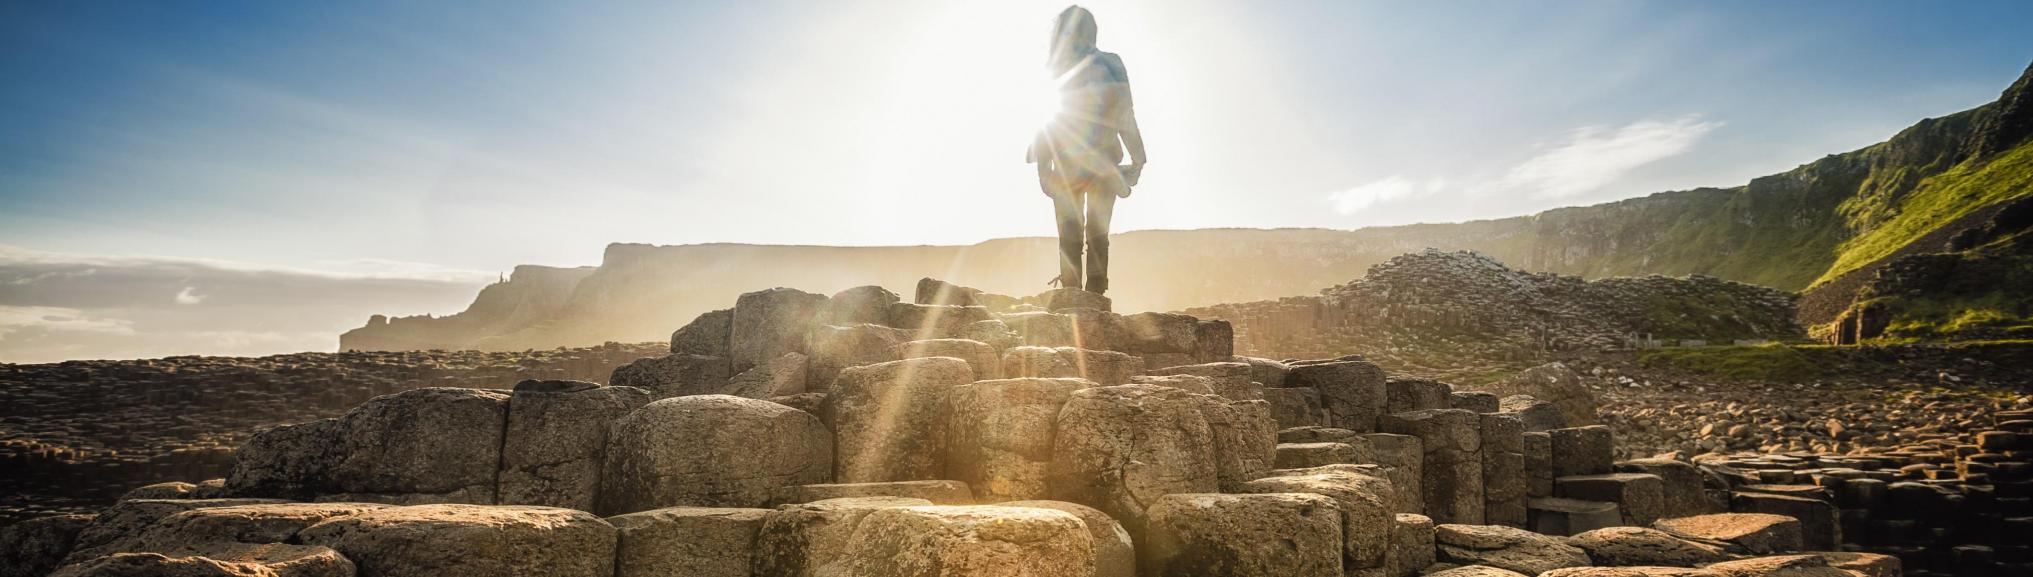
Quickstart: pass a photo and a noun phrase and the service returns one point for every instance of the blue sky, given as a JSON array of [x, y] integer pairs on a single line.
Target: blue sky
[[446, 141]]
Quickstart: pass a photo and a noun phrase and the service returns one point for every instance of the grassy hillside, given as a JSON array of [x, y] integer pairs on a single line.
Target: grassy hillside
[[1936, 201]]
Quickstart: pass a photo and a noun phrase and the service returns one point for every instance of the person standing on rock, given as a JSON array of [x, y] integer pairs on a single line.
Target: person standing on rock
[[1079, 151]]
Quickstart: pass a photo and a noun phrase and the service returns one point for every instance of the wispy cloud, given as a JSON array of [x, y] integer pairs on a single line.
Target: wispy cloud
[[1595, 156], [1382, 191], [189, 296]]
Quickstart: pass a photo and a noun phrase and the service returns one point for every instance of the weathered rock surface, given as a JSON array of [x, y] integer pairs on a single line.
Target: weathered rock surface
[[1351, 392], [1245, 439], [468, 540], [1412, 546], [798, 540], [676, 375], [1451, 475], [1266, 535], [1754, 533], [1002, 434], [779, 377], [644, 469], [936, 492], [1363, 501], [218, 560], [34, 547], [1114, 554], [971, 540], [890, 419], [768, 323], [1505, 548], [1120, 448], [690, 541], [1633, 546], [832, 349], [1105, 367], [984, 359], [557, 440], [1780, 566]]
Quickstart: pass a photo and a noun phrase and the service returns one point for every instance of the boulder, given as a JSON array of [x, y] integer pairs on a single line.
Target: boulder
[[985, 360], [1411, 545], [218, 560], [1868, 564], [995, 333], [807, 402], [1475, 571], [1216, 341], [935, 492], [1061, 299], [1266, 372], [34, 547], [1262, 535], [185, 532], [169, 490], [1114, 555], [889, 419], [1476, 401], [1105, 367], [469, 540], [1780, 566], [797, 540], [691, 541], [1553, 383], [971, 540], [676, 375], [1640, 497], [1505, 548], [437, 442], [1304, 455], [1630, 572], [1633, 546], [1313, 434], [1820, 524], [115, 527], [1557, 516], [1351, 392], [931, 291], [1451, 463], [1366, 518], [1685, 487], [769, 323], [1403, 460], [1188, 383], [778, 447], [1582, 451], [859, 305], [780, 377], [832, 349], [1229, 379], [1296, 407], [1043, 329], [557, 440], [1120, 448], [1537, 415], [1159, 333], [1245, 439], [1753, 533], [707, 335], [927, 322], [1002, 433], [1406, 394]]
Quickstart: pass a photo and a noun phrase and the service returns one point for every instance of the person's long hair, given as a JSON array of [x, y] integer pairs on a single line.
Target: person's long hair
[[1073, 35]]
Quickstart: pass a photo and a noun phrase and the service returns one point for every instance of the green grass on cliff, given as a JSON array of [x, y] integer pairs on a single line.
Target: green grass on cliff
[[1937, 200]]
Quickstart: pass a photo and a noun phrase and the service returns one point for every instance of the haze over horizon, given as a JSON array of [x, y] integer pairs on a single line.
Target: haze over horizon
[[244, 177]]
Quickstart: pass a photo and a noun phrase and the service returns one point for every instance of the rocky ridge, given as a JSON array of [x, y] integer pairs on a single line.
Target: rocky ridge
[[1039, 436], [77, 434], [1432, 312]]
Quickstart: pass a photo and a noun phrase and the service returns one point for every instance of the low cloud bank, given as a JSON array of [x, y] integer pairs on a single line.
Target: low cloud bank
[[56, 307]]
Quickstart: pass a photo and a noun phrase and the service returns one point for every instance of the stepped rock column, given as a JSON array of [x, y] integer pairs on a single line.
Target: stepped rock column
[[890, 419], [1451, 481]]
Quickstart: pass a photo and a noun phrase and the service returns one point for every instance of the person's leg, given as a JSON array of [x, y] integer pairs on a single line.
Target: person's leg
[[1100, 210], [1066, 203]]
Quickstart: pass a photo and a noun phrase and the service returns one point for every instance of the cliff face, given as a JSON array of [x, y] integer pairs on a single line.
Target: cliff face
[[531, 295], [1824, 228]]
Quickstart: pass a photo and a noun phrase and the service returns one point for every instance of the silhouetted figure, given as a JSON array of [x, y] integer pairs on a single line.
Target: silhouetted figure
[[1079, 152]]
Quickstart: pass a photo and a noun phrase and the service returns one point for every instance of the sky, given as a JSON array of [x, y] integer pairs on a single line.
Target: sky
[[440, 143]]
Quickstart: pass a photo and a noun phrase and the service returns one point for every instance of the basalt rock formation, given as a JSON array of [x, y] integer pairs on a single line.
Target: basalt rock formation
[[1434, 310], [971, 434]]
